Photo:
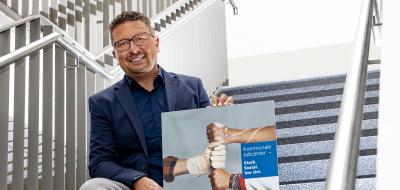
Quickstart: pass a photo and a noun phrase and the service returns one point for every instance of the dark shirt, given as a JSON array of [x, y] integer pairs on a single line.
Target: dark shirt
[[150, 105]]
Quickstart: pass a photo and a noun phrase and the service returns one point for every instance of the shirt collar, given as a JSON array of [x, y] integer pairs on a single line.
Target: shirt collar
[[160, 75]]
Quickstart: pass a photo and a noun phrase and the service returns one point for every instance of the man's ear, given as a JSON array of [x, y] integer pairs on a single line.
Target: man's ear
[[113, 53], [157, 42]]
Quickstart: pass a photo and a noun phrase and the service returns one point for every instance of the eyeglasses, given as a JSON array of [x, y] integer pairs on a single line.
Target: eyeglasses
[[138, 40]]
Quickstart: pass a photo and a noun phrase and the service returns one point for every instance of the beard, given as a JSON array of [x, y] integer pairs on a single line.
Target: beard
[[145, 69]]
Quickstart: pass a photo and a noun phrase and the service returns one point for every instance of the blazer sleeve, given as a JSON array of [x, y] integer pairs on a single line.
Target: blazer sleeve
[[204, 100], [103, 150]]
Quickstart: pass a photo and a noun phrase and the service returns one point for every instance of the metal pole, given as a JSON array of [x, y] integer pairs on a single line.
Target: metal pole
[[343, 162]]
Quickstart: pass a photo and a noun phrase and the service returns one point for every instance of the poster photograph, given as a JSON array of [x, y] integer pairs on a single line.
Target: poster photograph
[[231, 147]]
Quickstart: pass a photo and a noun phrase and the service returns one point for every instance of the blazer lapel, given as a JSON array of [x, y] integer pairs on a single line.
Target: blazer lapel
[[171, 87], [124, 95]]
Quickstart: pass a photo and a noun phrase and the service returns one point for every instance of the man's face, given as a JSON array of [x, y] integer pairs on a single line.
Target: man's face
[[137, 60]]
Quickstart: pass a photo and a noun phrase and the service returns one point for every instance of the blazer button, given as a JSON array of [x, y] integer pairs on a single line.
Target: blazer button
[[144, 166]]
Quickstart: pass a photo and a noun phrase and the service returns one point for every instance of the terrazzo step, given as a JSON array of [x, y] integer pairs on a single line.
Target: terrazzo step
[[319, 148], [316, 170], [295, 84], [315, 130], [319, 121], [298, 95], [366, 183]]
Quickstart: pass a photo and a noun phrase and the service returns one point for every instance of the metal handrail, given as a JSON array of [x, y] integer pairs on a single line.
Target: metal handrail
[[9, 12], [9, 58], [344, 157], [17, 23], [20, 20], [235, 9]]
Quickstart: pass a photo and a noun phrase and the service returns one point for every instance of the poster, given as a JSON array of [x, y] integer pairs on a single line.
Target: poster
[[238, 140]]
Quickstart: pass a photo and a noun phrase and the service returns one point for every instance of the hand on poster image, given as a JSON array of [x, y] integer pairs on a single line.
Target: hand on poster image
[[221, 180], [218, 132], [223, 100], [213, 156]]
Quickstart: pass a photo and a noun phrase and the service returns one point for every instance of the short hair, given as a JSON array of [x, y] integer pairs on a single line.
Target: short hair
[[127, 16]]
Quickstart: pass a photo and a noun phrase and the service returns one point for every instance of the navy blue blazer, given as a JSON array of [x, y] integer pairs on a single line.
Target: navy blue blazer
[[117, 143]]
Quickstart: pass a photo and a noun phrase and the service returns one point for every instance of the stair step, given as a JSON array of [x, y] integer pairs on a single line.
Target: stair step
[[319, 91], [361, 184], [319, 113], [320, 100], [318, 81], [319, 147], [319, 129], [311, 171]]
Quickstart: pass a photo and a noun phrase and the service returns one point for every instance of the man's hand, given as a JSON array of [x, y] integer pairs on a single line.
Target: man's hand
[[219, 179], [223, 100], [146, 183]]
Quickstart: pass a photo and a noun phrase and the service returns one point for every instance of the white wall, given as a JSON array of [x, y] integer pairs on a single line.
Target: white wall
[[4, 19], [197, 46], [269, 26], [289, 65], [388, 166], [294, 64], [290, 39]]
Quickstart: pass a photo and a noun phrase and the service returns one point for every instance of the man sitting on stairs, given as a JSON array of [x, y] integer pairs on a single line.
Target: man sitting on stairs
[[125, 136]]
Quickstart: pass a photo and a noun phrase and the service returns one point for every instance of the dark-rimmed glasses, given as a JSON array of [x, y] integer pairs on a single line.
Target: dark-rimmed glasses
[[138, 40]]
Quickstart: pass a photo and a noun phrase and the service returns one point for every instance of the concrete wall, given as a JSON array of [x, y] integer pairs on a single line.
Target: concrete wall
[[295, 64]]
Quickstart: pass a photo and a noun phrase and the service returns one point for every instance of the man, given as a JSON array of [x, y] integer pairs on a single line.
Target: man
[[125, 137]]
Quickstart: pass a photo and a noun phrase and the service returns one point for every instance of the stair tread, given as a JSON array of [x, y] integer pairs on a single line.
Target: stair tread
[[317, 169], [264, 87], [361, 184]]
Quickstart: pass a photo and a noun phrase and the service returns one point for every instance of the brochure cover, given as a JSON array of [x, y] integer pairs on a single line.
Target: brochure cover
[[231, 147]]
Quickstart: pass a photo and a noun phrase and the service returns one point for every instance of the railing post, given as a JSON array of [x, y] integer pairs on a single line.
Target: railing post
[[59, 118], [4, 105], [70, 173], [33, 109], [47, 114], [19, 112], [343, 161], [81, 152]]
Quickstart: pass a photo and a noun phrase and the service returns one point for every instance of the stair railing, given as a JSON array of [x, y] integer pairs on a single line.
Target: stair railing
[[343, 162], [61, 77], [68, 77]]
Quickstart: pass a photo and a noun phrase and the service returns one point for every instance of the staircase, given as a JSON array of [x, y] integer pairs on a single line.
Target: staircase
[[306, 118]]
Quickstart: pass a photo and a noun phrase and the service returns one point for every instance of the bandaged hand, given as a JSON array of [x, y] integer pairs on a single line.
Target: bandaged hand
[[218, 157], [201, 164]]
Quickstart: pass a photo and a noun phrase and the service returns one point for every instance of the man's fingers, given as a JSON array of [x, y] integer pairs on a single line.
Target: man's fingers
[[228, 101], [222, 99], [214, 101]]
